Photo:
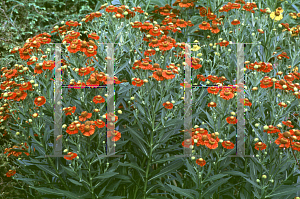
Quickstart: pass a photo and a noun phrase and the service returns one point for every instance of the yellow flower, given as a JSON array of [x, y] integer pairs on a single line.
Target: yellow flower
[[195, 48], [276, 16], [279, 9], [293, 15]]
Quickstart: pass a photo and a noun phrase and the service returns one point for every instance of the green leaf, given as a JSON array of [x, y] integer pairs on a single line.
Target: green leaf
[[140, 108], [70, 172], [237, 173], [283, 191], [165, 159], [56, 192], [106, 175], [75, 182], [160, 3], [136, 134], [173, 166], [47, 169], [253, 183], [215, 177], [184, 192], [133, 165], [215, 186]]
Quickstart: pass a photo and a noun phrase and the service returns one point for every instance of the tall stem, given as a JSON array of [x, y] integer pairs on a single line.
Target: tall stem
[[148, 165]]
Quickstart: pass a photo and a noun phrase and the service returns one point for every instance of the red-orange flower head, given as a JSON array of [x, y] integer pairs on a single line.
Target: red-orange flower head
[[39, 101], [137, 82], [168, 105]]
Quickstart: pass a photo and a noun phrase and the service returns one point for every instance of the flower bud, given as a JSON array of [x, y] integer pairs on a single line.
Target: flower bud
[[264, 176], [266, 127], [119, 111]]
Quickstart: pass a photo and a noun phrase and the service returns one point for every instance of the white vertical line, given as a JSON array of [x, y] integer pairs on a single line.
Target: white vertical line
[[57, 102], [187, 100], [110, 95], [240, 95]]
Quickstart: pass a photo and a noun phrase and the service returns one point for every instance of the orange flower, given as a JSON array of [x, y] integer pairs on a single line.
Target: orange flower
[[155, 32], [146, 26], [72, 129], [111, 116], [84, 116], [25, 53], [73, 48], [137, 82], [48, 65], [115, 135], [260, 31], [145, 65], [72, 23], [266, 82], [211, 143], [168, 105], [245, 102], [223, 43], [25, 86], [72, 156], [211, 16], [181, 23], [213, 90], [235, 22], [90, 52], [38, 68], [185, 4], [69, 110], [98, 99], [260, 146], [231, 120], [214, 28], [187, 143], [99, 123], [204, 25], [201, 162], [10, 173], [282, 141], [227, 144], [93, 36], [272, 129], [92, 82], [168, 74], [158, 75], [86, 129], [288, 123], [20, 95], [296, 146], [203, 11], [212, 104], [39, 101], [111, 8], [149, 52], [165, 45]]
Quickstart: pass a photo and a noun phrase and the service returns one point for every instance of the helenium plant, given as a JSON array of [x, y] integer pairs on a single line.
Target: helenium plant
[[206, 102]]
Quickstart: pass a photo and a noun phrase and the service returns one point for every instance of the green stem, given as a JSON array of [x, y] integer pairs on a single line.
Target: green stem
[[60, 178], [137, 187], [148, 165]]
